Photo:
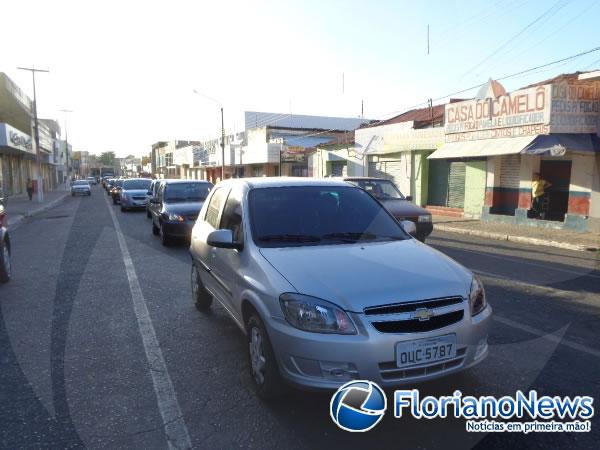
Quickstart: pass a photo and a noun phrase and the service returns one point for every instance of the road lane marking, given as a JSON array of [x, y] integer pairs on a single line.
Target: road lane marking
[[549, 337], [173, 422], [547, 289], [520, 261]]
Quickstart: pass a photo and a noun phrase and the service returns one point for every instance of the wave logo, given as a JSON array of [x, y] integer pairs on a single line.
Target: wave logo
[[358, 406]]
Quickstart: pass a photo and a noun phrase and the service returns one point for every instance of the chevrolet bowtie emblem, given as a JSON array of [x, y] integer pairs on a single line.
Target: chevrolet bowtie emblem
[[423, 314]]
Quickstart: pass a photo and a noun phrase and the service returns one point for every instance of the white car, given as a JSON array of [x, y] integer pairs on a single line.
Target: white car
[[81, 187], [329, 287]]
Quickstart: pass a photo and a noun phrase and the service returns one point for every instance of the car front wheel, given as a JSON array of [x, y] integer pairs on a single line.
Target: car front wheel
[[265, 372], [5, 266], [155, 229], [165, 239], [202, 299]]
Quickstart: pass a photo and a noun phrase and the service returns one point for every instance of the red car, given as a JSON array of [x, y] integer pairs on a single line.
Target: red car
[[5, 270]]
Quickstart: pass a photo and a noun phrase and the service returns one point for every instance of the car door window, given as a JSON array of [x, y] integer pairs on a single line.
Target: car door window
[[232, 216], [214, 206]]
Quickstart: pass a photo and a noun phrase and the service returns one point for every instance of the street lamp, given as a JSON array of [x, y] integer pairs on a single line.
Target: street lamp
[[67, 111], [36, 135], [222, 131]]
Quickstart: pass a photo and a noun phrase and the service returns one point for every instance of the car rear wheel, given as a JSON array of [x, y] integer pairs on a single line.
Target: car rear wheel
[[165, 239], [155, 229], [202, 299], [263, 364], [123, 209], [5, 266]]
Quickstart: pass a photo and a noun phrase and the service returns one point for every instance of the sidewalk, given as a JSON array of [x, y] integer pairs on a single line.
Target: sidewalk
[[19, 207], [569, 240]]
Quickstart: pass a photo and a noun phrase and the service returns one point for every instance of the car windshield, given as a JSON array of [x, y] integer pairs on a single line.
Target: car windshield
[[81, 183], [190, 192], [380, 189], [137, 184], [318, 215]]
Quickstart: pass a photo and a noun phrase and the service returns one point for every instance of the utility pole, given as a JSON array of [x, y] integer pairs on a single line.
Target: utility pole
[[67, 111], [36, 134]]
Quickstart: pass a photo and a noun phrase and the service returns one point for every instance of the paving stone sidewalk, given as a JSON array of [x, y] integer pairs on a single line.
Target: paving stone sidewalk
[[19, 207], [570, 240]]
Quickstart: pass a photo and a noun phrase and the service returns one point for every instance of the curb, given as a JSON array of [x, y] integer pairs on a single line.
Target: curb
[[519, 239], [21, 217]]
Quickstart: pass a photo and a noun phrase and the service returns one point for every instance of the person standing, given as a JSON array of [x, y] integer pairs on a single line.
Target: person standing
[[538, 192], [30, 188]]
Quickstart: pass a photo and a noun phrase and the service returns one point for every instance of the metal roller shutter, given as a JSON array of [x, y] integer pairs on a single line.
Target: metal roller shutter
[[390, 170], [337, 169], [456, 185], [510, 166]]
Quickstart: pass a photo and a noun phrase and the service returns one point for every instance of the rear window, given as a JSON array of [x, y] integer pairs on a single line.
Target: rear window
[[137, 184], [188, 192], [81, 183]]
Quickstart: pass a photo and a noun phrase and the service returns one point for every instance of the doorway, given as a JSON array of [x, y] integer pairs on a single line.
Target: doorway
[[559, 174]]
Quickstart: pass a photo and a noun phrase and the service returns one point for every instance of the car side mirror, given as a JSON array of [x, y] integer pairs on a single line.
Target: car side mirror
[[409, 227], [409, 198], [221, 239]]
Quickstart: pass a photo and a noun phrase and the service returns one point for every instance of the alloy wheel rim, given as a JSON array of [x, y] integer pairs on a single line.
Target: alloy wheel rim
[[257, 356], [6, 256]]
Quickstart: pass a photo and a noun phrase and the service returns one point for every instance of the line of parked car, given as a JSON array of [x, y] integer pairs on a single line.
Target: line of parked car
[[322, 276], [172, 205]]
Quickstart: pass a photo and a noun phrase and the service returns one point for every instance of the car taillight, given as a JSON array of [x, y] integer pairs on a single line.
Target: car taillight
[[3, 220]]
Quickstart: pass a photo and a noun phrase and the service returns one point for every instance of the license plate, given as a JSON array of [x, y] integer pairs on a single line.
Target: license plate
[[425, 351]]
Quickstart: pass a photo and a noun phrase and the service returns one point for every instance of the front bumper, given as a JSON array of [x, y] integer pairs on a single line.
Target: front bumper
[[179, 229], [81, 192], [327, 361], [133, 204]]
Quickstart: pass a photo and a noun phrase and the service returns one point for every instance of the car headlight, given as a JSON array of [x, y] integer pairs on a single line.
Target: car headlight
[[425, 218], [176, 218], [313, 314], [477, 300]]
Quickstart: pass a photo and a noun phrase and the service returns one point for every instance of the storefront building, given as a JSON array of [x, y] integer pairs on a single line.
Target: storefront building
[[495, 143], [17, 160]]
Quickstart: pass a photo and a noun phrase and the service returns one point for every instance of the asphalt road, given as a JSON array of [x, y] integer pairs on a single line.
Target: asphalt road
[[78, 368]]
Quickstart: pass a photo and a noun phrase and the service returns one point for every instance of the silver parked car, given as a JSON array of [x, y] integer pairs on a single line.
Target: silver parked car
[[328, 287], [133, 193], [81, 187]]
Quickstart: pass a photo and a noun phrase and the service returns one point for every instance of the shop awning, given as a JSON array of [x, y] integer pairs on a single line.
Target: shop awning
[[546, 144], [483, 147]]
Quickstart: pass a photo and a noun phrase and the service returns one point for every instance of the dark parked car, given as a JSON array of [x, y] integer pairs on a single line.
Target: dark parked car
[[115, 191], [109, 185], [176, 206], [133, 193], [5, 266], [400, 206], [150, 194]]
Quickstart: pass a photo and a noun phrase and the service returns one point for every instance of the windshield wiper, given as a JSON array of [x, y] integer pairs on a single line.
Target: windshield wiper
[[289, 238], [349, 236]]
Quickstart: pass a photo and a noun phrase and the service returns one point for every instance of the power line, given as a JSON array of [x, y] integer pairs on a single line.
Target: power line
[[550, 11], [505, 77]]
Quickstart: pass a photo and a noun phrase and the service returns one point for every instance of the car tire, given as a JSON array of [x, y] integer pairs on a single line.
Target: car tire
[[5, 264], [268, 382], [114, 201], [72, 194], [123, 209], [165, 239], [202, 299], [155, 229], [148, 215]]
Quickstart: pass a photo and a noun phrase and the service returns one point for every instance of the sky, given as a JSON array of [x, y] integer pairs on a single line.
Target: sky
[[128, 69]]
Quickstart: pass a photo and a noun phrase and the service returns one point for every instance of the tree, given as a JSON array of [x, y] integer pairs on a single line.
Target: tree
[[107, 159]]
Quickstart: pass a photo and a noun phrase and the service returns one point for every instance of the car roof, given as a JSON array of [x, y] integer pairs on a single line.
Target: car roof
[[179, 181], [366, 179], [269, 182]]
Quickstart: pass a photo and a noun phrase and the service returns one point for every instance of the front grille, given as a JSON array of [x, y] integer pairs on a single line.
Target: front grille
[[390, 371], [139, 198], [412, 306], [419, 326]]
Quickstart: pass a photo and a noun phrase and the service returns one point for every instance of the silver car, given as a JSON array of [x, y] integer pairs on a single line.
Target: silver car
[[81, 187], [328, 287], [133, 193]]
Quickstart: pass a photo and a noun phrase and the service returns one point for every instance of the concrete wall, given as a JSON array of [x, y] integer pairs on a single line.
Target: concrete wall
[[595, 206]]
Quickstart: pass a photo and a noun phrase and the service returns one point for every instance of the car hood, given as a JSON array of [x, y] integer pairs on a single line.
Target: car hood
[[183, 208], [403, 208], [136, 192], [357, 276]]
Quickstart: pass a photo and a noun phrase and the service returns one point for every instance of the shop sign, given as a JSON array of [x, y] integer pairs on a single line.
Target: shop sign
[[294, 154], [575, 108], [11, 137], [407, 140], [526, 130], [518, 110]]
